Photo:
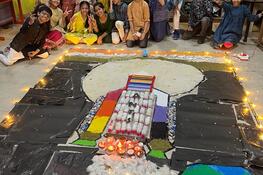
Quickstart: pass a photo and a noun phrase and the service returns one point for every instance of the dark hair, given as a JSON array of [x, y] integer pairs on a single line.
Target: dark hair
[[98, 4], [42, 7], [87, 3], [84, 2]]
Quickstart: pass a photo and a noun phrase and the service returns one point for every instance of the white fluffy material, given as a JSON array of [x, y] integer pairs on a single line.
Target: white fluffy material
[[115, 165]]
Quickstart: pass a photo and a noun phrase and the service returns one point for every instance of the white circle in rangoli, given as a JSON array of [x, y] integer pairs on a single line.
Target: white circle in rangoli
[[172, 78]]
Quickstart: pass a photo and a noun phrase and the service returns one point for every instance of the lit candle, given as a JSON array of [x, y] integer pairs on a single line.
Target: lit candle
[[129, 144], [121, 150], [119, 144], [110, 140], [245, 111], [137, 148], [110, 149], [102, 144], [138, 153]]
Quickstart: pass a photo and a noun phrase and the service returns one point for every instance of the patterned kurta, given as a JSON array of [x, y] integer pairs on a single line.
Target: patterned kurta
[[200, 9]]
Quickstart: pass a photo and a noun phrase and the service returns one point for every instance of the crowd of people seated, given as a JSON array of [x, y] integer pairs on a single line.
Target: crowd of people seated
[[133, 22]]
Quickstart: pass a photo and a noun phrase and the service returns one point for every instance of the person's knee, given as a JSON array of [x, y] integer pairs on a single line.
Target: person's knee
[[115, 38], [119, 24], [205, 20]]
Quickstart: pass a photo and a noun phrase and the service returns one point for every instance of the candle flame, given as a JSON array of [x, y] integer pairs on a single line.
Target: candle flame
[[25, 89]]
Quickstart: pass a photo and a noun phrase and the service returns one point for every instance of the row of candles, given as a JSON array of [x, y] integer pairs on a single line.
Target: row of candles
[[121, 146]]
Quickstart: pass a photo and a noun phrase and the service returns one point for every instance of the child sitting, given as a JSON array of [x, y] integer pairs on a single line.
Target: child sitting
[[29, 41], [230, 29], [80, 27]]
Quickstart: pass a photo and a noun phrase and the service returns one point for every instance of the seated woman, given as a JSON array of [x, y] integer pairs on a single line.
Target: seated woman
[[102, 24], [159, 19], [58, 23], [229, 32], [118, 13], [80, 27], [29, 41]]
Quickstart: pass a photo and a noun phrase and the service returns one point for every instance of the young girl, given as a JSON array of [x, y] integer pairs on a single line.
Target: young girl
[[229, 31], [80, 27], [102, 24], [29, 41], [58, 23]]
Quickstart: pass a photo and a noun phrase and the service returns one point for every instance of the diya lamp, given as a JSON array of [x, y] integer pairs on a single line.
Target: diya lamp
[[102, 144], [110, 140], [130, 152], [129, 144], [110, 149], [121, 150], [138, 151], [122, 141]]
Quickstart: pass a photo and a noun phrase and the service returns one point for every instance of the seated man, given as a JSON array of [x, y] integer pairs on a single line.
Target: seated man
[[139, 19], [200, 20], [29, 41], [118, 14], [229, 32]]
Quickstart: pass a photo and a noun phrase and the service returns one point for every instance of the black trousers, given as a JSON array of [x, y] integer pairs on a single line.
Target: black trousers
[[141, 43], [204, 28]]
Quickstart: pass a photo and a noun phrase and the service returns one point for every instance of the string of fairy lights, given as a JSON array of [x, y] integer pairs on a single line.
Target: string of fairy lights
[[10, 120]]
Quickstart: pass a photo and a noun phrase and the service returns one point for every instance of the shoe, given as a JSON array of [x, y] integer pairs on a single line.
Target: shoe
[[4, 60], [176, 34], [201, 40]]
